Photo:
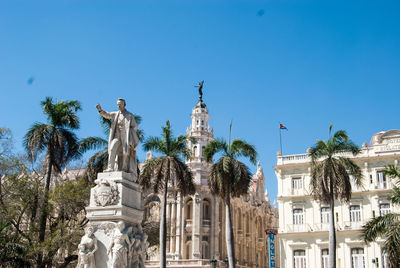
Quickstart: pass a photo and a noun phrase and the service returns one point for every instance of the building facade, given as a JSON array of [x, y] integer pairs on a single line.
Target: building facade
[[196, 223], [304, 222]]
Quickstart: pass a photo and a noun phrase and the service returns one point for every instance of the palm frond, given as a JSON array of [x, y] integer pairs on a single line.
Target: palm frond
[[379, 226], [105, 124], [242, 148], [154, 144], [36, 139], [150, 168], [92, 143], [320, 149], [215, 146], [394, 195]]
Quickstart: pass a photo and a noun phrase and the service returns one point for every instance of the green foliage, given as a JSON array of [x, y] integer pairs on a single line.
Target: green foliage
[[229, 177], [387, 226], [167, 170], [333, 168], [19, 210]]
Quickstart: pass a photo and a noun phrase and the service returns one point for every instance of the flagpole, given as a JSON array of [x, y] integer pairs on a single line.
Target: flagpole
[[280, 136]]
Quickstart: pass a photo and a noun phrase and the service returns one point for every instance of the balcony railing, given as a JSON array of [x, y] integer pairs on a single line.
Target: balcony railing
[[321, 227], [352, 225], [293, 228]]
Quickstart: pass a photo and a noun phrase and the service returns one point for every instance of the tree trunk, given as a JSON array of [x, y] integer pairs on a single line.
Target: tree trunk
[[44, 213], [230, 242], [332, 231], [163, 224]]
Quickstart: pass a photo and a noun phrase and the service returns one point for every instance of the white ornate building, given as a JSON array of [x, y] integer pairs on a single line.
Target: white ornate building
[[196, 223], [304, 222]]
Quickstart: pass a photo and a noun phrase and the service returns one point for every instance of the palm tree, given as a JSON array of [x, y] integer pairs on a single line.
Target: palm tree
[[98, 162], [229, 178], [167, 171], [58, 140], [330, 176], [387, 226]]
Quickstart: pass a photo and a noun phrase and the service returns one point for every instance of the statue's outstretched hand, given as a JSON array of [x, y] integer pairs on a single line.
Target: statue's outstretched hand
[[98, 107]]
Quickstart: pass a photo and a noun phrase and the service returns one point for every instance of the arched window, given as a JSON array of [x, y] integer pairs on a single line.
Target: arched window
[[189, 209], [205, 250], [206, 210], [194, 151], [203, 148], [188, 250]]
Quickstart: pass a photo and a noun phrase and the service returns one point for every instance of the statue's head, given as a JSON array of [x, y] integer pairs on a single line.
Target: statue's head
[[121, 225], [89, 231], [121, 104]]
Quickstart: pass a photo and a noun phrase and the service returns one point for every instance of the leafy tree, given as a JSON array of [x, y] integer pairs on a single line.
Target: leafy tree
[[330, 176], [58, 141], [229, 178], [19, 204], [167, 172], [387, 226], [98, 162]]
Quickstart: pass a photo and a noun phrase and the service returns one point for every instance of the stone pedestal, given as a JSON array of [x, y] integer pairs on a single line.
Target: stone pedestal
[[115, 213]]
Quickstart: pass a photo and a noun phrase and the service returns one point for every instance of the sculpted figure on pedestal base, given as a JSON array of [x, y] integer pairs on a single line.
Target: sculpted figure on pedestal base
[[123, 140]]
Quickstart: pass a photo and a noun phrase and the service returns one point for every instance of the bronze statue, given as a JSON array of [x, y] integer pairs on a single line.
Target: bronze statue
[[200, 86]]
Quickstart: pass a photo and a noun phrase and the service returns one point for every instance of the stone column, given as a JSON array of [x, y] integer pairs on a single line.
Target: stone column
[[179, 229], [216, 228], [168, 224], [173, 228], [196, 227]]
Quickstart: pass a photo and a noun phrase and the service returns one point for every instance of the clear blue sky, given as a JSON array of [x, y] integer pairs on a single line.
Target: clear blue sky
[[304, 63]]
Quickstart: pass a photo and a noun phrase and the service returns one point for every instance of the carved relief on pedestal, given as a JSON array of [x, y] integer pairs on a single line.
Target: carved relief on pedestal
[[105, 193]]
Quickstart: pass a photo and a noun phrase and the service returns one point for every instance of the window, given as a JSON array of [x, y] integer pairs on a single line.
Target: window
[[325, 212], [355, 213], [299, 259], [206, 210], [205, 252], [188, 252], [189, 209], [381, 180], [357, 258], [298, 216], [194, 151], [384, 209], [325, 258], [297, 183]]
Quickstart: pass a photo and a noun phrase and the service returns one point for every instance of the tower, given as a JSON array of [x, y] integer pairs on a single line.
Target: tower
[[201, 131]]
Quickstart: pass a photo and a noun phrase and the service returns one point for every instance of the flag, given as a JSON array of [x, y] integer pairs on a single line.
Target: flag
[[282, 126]]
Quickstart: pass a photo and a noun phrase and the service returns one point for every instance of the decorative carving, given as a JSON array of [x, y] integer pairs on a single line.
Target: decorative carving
[[128, 246], [87, 248], [105, 193]]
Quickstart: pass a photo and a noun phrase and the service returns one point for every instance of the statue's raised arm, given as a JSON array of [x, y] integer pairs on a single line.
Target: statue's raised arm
[[123, 140]]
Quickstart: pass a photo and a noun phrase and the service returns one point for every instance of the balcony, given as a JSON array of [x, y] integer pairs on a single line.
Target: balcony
[[321, 227], [294, 228], [297, 191], [352, 225]]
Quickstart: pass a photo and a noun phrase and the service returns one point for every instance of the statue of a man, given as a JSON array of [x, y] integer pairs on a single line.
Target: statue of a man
[[123, 140]]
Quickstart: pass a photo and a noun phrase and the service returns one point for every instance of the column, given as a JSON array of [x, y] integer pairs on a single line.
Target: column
[[179, 229], [168, 225], [215, 228], [196, 227], [173, 227]]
